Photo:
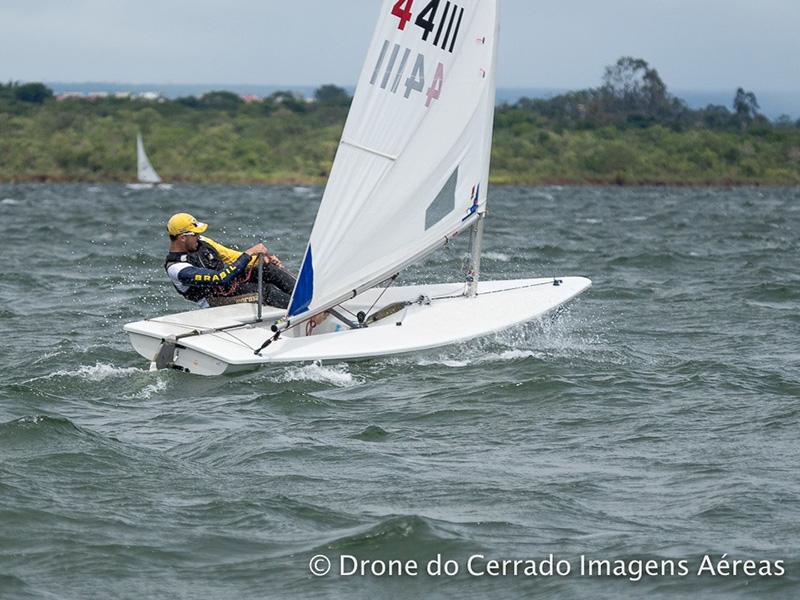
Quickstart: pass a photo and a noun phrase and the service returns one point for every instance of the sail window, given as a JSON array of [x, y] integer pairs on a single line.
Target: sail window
[[443, 204]]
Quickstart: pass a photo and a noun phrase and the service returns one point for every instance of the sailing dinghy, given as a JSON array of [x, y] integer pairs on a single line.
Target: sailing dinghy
[[411, 172], [145, 173]]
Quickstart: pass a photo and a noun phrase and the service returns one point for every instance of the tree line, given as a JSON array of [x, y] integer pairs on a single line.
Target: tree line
[[634, 95], [631, 129]]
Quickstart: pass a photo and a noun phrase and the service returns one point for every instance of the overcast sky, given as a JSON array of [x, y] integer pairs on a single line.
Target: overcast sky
[[693, 44]]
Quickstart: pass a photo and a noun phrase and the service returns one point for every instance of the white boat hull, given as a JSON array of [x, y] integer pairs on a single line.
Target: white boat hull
[[225, 339]]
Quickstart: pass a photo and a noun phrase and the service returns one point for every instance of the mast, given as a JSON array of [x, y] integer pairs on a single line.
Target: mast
[[475, 243]]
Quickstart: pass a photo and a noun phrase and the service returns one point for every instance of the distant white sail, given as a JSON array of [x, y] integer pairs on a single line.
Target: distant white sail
[[145, 171]]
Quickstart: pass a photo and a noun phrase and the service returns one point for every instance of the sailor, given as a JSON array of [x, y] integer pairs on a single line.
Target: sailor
[[210, 274]]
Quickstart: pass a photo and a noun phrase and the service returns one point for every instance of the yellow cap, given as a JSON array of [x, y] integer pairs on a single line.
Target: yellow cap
[[184, 223]]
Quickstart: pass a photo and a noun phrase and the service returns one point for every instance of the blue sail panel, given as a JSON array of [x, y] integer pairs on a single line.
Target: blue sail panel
[[304, 289]]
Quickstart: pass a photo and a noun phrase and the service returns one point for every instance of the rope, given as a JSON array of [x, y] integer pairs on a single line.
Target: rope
[[310, 324], [507, 289], [378, 299]]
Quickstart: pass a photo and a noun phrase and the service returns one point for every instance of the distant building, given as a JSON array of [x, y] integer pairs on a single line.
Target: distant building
[[69, 95], [149, 96]]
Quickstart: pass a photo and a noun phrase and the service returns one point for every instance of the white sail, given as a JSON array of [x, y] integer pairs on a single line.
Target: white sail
[[145, 171], [413, 163]]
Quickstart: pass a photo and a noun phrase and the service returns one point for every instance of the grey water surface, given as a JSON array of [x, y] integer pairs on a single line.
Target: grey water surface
[[640, 443]]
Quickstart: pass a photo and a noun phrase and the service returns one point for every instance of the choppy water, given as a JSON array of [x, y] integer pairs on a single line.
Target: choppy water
[[655, 419]]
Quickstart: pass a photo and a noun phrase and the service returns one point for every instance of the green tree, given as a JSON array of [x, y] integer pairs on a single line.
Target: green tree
[[221, 100], [718, 117], [6, 91], [293, 101], [33, 92], [746, 107], [332, 94], [631, 86]]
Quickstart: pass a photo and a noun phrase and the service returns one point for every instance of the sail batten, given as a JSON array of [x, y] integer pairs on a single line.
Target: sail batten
[[412, 166], [370, 150]]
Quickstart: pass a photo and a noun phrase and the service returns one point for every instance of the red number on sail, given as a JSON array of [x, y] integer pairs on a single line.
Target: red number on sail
[[436, 87], [402, 10]]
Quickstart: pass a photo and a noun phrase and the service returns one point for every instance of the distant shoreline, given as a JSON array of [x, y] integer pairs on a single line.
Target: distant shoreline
[[582, 139], [593, 182], [773, 103]]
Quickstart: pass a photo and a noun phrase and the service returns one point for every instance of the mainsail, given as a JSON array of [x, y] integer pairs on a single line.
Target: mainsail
[[412, 166], [145, 171]]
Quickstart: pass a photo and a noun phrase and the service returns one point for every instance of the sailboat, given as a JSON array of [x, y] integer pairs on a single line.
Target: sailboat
[[145, 173], [410, 173]]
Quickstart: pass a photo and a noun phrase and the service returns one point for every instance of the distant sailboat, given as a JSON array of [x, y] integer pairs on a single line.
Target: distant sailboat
[[146, 174]]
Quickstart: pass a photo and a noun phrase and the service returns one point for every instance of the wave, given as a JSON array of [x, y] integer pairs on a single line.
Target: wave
[[373, 433], [558, 334], [38, 424], [497, 256], [336, 374], [137, 383], [18, 588], [43, 442], [411, 536], [95, 373]]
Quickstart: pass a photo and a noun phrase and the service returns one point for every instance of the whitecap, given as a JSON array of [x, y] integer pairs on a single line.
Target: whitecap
[[97, 372], [10, 201], [306, 192], [542, 195], [34, 419], [445, 362], [147, 392], [337, 375], [498, 256], [474, 353], [511, 355]]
